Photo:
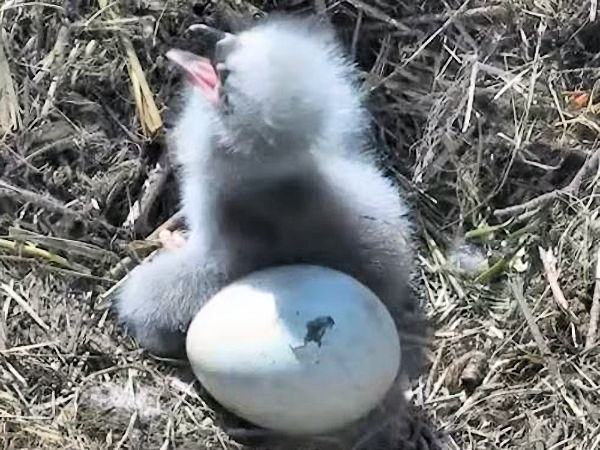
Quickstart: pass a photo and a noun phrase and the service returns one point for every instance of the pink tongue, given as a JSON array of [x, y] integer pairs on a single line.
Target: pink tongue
[[199, 71]]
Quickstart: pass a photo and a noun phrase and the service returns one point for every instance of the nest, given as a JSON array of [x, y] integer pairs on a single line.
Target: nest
[[486, 112]]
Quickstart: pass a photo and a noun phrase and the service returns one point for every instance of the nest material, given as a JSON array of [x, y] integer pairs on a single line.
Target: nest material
[[488, 114]]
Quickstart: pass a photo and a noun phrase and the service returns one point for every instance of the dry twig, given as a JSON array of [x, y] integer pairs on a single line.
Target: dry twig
[[571, 189], [591, 337], [28, 249], [153, 186], [552, 364], [549, 261], [46, 202]]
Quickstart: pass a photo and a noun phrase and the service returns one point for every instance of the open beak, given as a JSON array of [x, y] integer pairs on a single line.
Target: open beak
[[214, 33], [199, 72], [224, 42]]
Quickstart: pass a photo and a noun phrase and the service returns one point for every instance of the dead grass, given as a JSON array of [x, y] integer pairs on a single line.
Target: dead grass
[[491, 118]]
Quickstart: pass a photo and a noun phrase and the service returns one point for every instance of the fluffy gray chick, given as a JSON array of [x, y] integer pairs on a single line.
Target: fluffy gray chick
[[276, 168]]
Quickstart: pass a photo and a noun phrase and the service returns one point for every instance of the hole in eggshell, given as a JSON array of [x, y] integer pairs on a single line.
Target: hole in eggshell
[[316, 329]]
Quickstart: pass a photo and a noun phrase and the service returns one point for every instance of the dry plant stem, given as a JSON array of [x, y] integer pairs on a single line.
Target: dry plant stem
[[46, 202], [571, 189], [25, 305], [55, 269], [590, 340], [379, 15], [517, 289], [153, 186], [10, 116], [30, 250], [147, 110], [356, 32], [451, 18], [70, 246], [3, 334], [59, 51], [549, 261], [521, 124], [132, 422], [552, 365], [494, 11]]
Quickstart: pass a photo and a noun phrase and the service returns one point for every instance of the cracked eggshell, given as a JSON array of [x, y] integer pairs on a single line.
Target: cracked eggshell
[[298, 349]]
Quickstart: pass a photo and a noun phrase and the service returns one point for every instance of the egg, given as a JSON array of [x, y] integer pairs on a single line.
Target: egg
[[299, 349]]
